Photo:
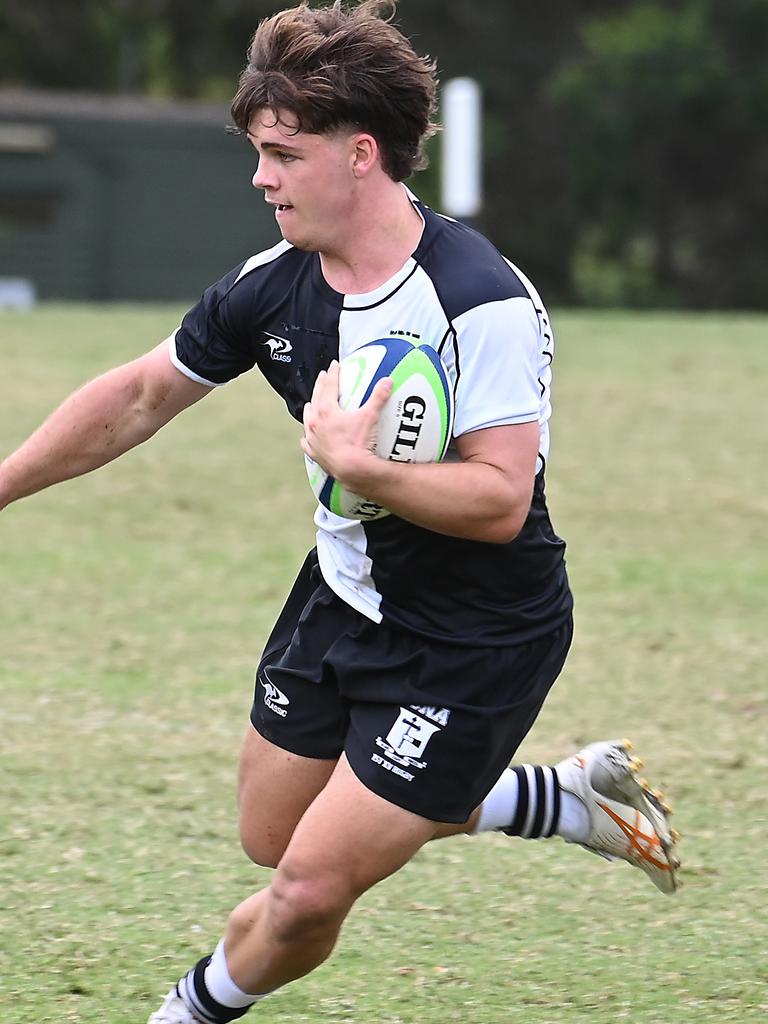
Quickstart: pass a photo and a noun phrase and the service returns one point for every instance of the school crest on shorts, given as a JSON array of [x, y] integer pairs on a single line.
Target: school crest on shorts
[[407, 740]]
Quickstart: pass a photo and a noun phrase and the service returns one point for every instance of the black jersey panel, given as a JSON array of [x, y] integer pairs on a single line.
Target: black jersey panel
[[212, 340], [479, 593], [299, 333], [466, 269], [264, 313]]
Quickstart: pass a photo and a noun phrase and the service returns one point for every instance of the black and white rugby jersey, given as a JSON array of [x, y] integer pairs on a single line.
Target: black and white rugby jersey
[[458, 294]]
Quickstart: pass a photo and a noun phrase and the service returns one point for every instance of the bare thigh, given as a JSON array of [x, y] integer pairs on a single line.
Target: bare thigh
[[351, 833], [275, 787]]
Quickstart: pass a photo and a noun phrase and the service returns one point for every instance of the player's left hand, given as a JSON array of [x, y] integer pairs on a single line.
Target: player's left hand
[[341, 440]]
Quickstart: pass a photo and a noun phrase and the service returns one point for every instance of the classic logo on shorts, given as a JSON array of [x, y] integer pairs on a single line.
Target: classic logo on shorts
[[407, 740], [274, 699], [279, 349]]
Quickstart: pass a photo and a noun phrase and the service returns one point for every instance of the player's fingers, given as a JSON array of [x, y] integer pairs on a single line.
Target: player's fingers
[[379, 396], [331, 384], [326, 389], [317, 390]]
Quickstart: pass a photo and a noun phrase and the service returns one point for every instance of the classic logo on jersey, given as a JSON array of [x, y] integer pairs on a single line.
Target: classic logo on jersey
[[279, 349], [406, 742], [274, 699]]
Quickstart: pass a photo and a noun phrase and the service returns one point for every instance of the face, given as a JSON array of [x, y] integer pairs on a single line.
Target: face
[[310, 180]]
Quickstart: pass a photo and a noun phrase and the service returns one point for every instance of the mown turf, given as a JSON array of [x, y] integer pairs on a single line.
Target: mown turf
[[132, 609]]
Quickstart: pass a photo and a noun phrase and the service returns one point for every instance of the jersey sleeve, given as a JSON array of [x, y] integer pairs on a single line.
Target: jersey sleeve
[[497, 352], [214, 343]]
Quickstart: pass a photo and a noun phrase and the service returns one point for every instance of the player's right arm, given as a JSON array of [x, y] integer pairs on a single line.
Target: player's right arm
[[104, 419]]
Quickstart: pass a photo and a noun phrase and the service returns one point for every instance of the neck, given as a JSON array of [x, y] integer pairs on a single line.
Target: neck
[[374, 244]]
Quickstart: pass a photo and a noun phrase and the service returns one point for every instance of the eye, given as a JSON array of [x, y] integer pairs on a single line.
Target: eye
[[285, 158]]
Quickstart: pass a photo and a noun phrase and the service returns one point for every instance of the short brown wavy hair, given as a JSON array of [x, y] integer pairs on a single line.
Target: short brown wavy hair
[[333, 67]]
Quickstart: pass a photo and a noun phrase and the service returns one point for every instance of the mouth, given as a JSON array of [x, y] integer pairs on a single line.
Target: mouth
[[280, 207]]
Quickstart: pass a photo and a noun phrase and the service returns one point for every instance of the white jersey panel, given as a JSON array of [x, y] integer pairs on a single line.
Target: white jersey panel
[[406, 306], [501, 369], [546, 355], [345, 566]]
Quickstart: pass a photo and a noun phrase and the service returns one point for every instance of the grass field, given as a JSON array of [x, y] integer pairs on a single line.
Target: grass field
[[133, 606]]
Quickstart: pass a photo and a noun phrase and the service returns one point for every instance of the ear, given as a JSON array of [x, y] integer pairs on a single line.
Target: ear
[[365, 154]]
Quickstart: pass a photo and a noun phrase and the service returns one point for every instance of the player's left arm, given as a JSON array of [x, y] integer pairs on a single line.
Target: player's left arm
[[485, 496]]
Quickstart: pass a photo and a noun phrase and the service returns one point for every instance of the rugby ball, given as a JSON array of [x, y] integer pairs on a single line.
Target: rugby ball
[[415, 424]]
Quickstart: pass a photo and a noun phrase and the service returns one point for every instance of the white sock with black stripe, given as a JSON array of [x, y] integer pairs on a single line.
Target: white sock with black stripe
[[209, 992], [527, 801]]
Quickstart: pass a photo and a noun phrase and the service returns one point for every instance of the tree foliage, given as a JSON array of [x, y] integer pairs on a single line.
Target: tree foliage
[[668, 154], [158, 47]]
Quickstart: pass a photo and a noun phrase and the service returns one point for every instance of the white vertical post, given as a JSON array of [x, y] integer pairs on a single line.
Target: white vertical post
[[462, 148]]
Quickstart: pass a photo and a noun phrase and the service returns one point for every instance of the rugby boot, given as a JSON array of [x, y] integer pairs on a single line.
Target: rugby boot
[[173, 1011], [628, 819]]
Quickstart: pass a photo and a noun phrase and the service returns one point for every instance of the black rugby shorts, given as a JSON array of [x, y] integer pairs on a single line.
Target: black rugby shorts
[[427, 726]]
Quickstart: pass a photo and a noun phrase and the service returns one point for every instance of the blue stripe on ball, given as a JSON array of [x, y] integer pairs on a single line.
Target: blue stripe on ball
[[395, 350]]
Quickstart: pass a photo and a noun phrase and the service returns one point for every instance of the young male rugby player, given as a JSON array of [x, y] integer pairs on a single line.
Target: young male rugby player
[[414, 652]]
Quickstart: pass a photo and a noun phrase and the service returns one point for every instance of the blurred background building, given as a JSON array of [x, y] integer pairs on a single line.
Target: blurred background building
[[109, 197], [625, 144]]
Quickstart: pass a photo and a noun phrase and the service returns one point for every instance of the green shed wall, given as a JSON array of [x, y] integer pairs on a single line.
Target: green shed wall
[[128, 210]]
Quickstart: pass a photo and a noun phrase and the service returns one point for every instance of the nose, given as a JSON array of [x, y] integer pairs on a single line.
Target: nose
[[262, 178]]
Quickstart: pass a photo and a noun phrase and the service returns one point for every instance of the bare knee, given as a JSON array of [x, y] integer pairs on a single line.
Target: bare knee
[[287, 929], [304, 904]]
